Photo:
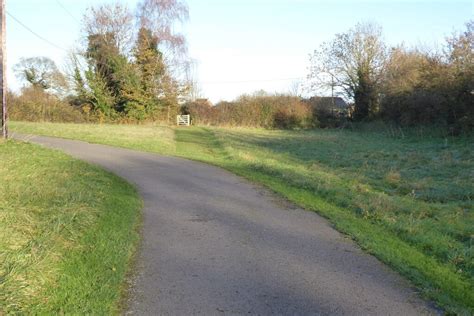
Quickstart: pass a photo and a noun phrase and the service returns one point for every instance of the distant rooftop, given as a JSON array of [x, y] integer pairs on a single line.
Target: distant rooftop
[[338, 102]]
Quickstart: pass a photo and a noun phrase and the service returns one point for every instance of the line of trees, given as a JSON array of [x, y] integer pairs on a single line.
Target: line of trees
[[256, 110], [405, 86], [130, 66]]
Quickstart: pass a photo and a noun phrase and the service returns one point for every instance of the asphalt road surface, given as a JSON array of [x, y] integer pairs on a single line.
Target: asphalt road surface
[[214, 244]]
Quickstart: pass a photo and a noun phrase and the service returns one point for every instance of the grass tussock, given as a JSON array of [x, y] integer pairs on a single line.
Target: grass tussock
[[67, 233], [407, 198]]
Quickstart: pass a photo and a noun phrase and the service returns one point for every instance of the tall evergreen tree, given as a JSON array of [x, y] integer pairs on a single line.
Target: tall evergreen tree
[[149, 61]]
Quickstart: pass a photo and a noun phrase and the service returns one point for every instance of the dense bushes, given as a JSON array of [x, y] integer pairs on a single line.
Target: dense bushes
[[329, 112], [34, 104], [132, 83], [130, 67], [258, 110], [431, 89], [407, 87], [124, 80]]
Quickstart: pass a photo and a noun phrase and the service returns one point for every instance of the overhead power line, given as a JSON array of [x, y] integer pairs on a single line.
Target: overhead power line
[[3, 77], [63, 49], [34, 33], [250, 81], [68, 12]]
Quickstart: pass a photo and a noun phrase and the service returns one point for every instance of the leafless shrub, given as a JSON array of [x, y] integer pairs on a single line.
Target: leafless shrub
[[259, 110], [36, 105]]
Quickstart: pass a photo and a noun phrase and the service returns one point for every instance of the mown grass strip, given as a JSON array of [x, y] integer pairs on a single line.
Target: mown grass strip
[[68, 231], [151, 138]]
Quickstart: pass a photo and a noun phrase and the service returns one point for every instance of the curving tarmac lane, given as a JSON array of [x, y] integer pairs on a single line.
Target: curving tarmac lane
[[214, 244]]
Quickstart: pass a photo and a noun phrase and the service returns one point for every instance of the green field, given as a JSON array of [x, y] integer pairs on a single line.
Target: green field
[[407, 199], [57, 217]]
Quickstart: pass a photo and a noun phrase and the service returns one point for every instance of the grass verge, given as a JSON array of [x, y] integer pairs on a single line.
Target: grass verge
[[150, 138], [406, 199], [68, 231]]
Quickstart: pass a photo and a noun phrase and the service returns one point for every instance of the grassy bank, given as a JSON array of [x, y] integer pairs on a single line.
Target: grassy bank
[[146, 138], [68, 231], [406, 199]]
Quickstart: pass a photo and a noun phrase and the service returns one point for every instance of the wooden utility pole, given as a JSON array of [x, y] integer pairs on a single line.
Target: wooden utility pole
[[332, 95], [3, 70]]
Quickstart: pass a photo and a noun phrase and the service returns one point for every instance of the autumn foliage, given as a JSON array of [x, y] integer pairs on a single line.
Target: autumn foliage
[[257, 110], [405, 86], [36, 105]]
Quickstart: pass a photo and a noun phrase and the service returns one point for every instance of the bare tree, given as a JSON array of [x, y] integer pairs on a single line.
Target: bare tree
[[111, 21], [460, 47], [162, 17], [295, 88], [403, 70], [192, 83], [352, 64], [42, 73]]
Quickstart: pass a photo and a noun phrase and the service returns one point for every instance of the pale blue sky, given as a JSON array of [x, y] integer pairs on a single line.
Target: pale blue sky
[[244, 45]]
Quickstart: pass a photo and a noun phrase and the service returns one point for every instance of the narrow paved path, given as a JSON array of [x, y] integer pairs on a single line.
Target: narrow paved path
[[215, 244]]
